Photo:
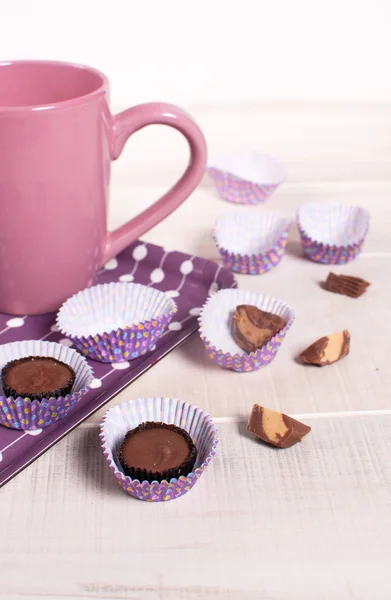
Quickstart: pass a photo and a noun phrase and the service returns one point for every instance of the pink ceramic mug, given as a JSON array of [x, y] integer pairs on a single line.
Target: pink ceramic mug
[[57, 139]]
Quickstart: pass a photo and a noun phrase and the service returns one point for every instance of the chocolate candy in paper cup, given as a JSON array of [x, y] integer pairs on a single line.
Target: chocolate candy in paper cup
[[251, 244], [126, 416], [332, 234], [246, 177], [216, 322], [116, 322], [22, 413]]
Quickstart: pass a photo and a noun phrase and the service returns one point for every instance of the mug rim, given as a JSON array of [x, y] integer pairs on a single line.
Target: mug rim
[[76, 101]]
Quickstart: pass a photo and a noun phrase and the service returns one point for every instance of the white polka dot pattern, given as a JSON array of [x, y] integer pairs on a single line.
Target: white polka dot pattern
[[15, 322], [111, 264], [121, 366], [140, 252], [186, 267], [33, 431], [157, 275], [175, 326], [127, 278], [96, 383]]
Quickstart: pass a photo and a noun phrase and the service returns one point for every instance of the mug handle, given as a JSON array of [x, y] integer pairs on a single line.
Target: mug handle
[[123, 126]]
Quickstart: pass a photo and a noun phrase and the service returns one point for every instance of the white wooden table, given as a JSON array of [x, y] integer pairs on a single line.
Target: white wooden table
[[309, 523]]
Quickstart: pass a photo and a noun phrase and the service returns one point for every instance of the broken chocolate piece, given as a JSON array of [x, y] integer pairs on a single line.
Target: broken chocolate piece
[[346, 284], [275, 428], [328, 349], [253, 327]]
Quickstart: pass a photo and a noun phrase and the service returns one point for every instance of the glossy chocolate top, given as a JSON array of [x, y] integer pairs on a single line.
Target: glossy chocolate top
[[155, 449], [36, 374]]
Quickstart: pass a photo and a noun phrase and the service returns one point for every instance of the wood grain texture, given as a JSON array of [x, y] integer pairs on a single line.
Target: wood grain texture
[[312, 522]]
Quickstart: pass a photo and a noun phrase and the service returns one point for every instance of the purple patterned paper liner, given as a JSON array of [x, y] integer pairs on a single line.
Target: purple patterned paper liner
[[239, 191], [318, 251], [247, 362], [123, 343], [24, 414], [326, 254], [21, 413], [244, 362], [204, 434], [255, 264]]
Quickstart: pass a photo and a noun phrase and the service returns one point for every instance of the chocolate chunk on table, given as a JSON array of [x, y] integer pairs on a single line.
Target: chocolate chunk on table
[[253, 327], [328, 349], [275, 428], [346, 284]]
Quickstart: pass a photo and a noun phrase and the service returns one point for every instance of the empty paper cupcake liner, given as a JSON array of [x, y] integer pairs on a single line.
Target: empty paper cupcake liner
[[332, 234], [128, 415], [251, 244], [22, 413], [246, 177], [115, 322], [216, 329]]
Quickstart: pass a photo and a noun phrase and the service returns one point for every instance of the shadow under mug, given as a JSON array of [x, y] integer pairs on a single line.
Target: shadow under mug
[[57, 140]]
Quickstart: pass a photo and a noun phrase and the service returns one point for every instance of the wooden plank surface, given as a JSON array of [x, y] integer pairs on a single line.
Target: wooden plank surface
[[309, 523]]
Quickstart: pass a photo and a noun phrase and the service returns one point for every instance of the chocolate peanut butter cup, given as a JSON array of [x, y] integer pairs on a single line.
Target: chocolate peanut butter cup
[[275, 428], [253, 327], [128, 416], [37, 377], [327, 349], [156, 451], [46, 378], [243, 330]]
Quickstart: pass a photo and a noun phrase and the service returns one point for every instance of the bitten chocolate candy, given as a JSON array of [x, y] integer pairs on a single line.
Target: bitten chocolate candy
[[275, 428], [346, 284], [253, 327], [328, 349]]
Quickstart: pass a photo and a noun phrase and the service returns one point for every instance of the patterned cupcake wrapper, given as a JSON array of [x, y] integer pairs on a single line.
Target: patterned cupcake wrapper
[[329, 255], [216, 330], [348, 225], [246, 177], [128, 415], [255, 264], [22, 413], [143, 313], [239, 191]]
